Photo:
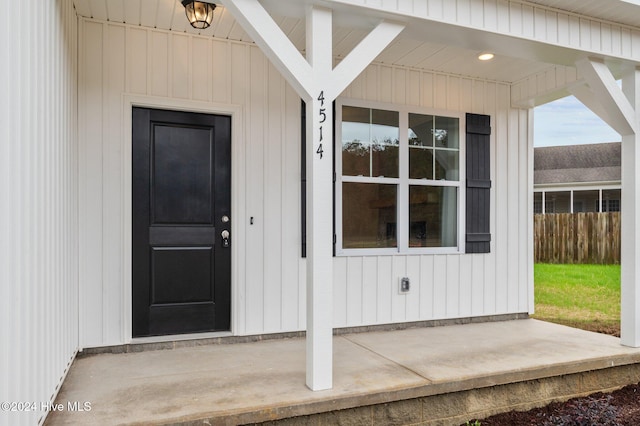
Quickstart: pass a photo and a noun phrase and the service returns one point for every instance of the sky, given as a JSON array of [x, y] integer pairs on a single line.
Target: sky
[[568, 122]]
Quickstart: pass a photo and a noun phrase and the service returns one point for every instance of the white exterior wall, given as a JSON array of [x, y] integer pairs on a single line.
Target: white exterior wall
[[268, 274], [38, 203]]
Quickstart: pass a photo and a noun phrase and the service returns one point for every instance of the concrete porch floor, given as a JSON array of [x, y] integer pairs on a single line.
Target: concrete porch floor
[[434, 375]]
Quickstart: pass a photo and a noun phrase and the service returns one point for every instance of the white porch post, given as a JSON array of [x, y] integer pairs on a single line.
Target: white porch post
[[319, 84], [327, 85], [320, 204], [630, 220], [619, 108]]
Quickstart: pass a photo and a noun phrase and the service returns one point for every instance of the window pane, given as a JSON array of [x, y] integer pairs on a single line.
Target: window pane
[[385, 142], [611, 200], [370, 142], [548, 205], [420, 163], [433, 217], [384, 129], [355, 124], [537, 202], [586, 201], [384, 160], [356, 134], [420, 130], [355, 158], [557, 202], [446, 133], [369, 215], [446, 165], [357, 115]]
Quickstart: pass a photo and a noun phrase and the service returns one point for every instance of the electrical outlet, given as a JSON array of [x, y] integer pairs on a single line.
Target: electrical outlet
[[405, 285]]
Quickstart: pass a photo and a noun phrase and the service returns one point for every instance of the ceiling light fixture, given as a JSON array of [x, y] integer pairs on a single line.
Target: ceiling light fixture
[[485, 56], [199, 13]]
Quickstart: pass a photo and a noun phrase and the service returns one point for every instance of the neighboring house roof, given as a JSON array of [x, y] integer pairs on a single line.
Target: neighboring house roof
[[577, 163]]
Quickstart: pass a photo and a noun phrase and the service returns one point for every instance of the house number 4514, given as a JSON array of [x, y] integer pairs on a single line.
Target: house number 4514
[[322, 117]]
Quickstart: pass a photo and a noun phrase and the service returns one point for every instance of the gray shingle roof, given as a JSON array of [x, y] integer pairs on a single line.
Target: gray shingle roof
[[577, 163]]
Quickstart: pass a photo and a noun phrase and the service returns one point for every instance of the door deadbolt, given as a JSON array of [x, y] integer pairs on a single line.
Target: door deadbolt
[[225, 238]]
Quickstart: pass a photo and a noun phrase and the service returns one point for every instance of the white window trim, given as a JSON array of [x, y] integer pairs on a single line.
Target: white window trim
[[403, 181]]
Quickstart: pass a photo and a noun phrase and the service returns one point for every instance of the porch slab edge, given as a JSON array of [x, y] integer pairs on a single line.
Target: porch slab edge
[[442, 403], [455, 408]]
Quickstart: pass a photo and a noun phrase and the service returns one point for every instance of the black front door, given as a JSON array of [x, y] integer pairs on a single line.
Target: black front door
[[181, 208]]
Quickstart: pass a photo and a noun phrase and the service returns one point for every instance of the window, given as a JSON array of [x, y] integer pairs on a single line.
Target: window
[[398, 180]]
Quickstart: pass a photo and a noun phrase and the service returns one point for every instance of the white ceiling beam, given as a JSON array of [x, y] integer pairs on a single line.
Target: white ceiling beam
[[585, 95], [307, 75], [609, 95], [363, 54], [255, 20]]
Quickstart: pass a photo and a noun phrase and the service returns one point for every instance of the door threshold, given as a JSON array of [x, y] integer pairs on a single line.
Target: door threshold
[[179, 337]]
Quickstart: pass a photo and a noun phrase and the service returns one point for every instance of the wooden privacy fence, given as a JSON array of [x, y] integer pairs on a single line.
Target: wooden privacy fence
[[577, 238]]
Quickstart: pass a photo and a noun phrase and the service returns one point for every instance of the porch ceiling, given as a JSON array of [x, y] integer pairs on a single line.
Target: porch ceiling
[[409, 49]]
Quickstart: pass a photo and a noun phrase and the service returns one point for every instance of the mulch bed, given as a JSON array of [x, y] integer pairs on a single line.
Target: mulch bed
[[619, 408]]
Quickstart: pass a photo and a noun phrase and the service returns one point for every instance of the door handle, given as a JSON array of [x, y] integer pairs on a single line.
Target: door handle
[[225, 238]]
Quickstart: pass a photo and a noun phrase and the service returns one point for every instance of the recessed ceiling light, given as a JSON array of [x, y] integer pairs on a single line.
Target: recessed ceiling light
[[486, 56]]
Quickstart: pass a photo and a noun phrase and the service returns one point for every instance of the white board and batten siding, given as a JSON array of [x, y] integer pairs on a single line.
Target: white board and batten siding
[[544, 87], [38, 204], [268, 275], [522, 20]]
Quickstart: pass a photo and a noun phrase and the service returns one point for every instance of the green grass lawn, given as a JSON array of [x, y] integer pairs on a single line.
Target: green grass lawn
[[582, 296]]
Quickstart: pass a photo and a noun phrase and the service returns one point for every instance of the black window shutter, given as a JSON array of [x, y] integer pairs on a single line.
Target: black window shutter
[[303, 177], [478, 235]]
